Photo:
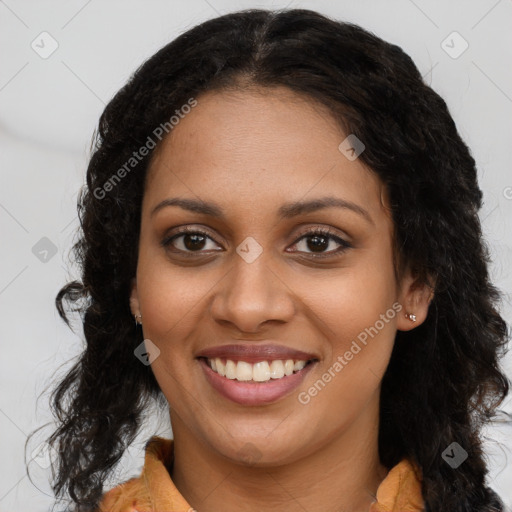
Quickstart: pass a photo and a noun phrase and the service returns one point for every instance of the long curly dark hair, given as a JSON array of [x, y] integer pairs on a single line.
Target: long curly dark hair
[[444, 380]]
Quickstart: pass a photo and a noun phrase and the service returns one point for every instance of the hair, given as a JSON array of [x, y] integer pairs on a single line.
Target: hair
[[443, 382]]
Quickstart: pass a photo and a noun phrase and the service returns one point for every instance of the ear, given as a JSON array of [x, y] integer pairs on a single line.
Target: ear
[[415, 297], [134, 299]]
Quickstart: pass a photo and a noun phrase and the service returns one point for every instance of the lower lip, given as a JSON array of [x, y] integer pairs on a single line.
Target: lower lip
[[254, 393]]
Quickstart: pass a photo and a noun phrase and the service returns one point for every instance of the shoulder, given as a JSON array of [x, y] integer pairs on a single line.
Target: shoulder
[[117, 499], [134, 494], [401, 490]]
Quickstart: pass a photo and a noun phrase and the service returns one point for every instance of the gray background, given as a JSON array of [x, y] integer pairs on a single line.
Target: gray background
[[50, 106]]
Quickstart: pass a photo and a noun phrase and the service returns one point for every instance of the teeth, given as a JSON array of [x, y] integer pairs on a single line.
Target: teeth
[[243, 371], [261, 371], [230, 369], [221, 367], [298, 365], [276, 369]]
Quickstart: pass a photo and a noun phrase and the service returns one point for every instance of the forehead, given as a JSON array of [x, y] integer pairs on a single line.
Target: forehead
[[258, 145]]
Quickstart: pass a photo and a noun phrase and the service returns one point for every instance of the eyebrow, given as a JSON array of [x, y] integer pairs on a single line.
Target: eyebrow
[[286, 211]]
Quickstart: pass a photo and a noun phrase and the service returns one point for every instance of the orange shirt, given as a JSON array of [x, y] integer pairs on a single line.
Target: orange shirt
[[154, 491]]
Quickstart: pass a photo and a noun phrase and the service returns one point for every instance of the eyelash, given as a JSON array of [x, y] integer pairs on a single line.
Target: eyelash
[[166, 242]]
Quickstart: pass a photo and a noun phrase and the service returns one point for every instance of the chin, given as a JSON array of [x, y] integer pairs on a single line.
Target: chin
[[257, 451]]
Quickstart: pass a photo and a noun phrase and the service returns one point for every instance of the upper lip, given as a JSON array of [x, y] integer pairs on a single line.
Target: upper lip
[[255, 353]]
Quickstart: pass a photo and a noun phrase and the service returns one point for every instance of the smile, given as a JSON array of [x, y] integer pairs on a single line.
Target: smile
[[261, 371], [258, 383]]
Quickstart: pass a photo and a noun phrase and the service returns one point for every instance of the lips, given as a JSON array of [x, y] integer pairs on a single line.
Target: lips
[[254, 393], [249, 389], [255, 353]]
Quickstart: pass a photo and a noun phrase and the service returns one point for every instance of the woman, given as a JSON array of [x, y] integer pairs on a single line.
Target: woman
[[290, 216]]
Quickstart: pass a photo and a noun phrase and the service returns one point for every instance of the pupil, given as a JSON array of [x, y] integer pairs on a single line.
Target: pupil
[[316, 244], [197, 239]]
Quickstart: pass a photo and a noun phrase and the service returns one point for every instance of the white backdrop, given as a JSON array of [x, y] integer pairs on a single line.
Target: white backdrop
[[61, 63]]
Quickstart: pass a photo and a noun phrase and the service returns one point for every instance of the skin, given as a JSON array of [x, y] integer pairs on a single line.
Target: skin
[[251, 151]]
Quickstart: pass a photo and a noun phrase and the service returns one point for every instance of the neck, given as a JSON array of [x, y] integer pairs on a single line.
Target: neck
[[342, 474]]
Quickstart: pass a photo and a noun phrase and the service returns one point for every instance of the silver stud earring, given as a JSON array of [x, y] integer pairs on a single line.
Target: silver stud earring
[[411, 317], [137, 322]]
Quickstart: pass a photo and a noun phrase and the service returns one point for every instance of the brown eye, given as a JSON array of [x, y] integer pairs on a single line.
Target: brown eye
[[319, 240], [188, 240], [193, 241]]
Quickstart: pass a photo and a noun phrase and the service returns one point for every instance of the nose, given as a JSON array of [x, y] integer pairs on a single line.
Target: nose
[[253, 294]]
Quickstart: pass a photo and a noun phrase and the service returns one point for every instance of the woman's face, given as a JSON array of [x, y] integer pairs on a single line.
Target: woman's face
[[262, 274]]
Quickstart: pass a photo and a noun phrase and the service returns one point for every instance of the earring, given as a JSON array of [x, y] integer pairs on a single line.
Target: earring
[[410, 316], [136, 317]]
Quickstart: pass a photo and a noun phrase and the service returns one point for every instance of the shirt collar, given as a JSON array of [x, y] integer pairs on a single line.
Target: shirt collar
[[153, 490]]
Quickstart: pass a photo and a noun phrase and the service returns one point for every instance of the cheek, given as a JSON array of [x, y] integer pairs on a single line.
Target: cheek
[[347, 303], [356, 311], [359, 322], [360, 343], [170, 304], [170, 297]]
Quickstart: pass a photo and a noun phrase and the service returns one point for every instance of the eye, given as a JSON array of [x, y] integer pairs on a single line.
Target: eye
[[189, 240], [321, 238], [193, 240]]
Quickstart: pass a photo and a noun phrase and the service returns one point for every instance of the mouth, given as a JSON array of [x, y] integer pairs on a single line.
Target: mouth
[[261, 371], [257, 383]]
